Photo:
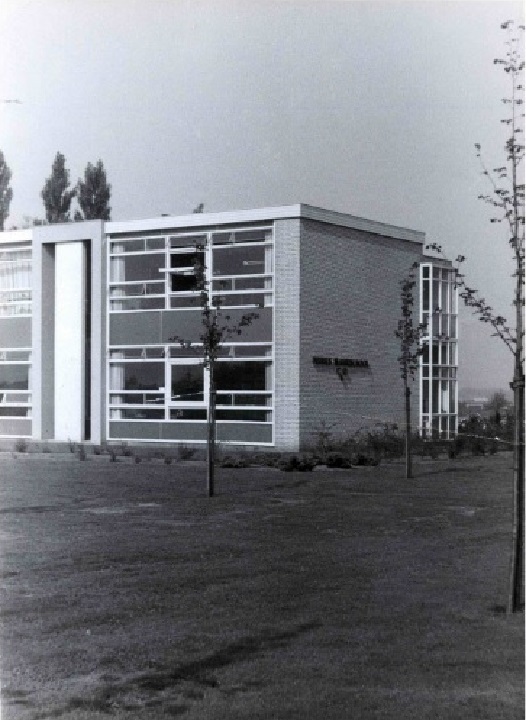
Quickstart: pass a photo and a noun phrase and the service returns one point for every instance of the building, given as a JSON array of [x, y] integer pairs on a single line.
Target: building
[[91, 315]]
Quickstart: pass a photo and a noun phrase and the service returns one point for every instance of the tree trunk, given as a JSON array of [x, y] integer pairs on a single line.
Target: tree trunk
[[211, 433], [408, 458], [516, 586]]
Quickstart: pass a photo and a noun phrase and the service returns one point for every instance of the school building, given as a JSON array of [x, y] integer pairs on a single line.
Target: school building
[[93, 316]]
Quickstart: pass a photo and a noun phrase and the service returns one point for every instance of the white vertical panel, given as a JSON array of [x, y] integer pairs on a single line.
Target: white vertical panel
[[69, 340]]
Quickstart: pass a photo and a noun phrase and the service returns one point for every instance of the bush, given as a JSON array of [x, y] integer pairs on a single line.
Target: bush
[[303, 463], [82, 452], [184, 452], [365, 460], [126, 451], [231, 461], [97, 450], [21, 445], [137, 459], [71, 446], [167, 460], [337, 460]]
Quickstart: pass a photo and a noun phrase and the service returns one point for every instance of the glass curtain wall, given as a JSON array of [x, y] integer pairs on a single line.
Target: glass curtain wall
[[165, 384], [439, 361], [15, 360]]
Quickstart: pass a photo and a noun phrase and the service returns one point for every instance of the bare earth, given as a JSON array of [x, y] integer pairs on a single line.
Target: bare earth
[[127, 593]]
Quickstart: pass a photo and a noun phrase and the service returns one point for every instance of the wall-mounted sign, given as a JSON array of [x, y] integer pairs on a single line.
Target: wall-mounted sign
[[340, 362]]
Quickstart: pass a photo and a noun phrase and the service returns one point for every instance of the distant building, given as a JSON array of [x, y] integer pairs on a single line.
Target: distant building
[[90, 314]]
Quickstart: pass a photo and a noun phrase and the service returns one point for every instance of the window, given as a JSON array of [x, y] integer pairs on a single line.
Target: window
[[187, 382]]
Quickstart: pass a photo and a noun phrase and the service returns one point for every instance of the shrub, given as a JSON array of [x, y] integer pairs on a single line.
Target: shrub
[[126, 451], [97, 450], [21, 445], [365, 460], [71, 445], [184, 452], [303, 463], [167, 460], [337, 460], [46, 448], [82, 452], [231, 461], [138, 459], [113, 455]]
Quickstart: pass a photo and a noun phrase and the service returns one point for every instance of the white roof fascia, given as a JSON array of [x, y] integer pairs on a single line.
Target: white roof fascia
[[301, 211], [16, 236]]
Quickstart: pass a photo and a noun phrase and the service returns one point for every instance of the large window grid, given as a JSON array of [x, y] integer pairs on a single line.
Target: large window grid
[[239, 270], [438, 362], [15, 392], [15, 282]]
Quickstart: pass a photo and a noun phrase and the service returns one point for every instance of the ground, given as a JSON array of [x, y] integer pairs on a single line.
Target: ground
[[126, 592]]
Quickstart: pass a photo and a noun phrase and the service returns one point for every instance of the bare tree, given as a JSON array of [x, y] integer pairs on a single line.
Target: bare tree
[[410, 336], [506, 198], [217, 328]]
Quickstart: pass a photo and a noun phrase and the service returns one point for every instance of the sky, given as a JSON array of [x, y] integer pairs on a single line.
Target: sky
[[366, 107]]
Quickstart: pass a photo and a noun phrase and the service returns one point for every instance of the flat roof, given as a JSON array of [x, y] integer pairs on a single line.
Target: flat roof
[[204, 220], [301, 211]]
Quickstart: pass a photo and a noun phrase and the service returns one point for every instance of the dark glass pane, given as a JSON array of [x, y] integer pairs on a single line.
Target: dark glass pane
[[141, 376], [434, 401], [239, 261], [187, 383], [425, 272], [241, 376], [188, 414], [425, 291], [425, 396], [425, 353], [245, 415], [140, 414], [155, 243], [14, 377], [187, 260], [137, 267], [14, 412], [190, 241], [183, 283], [242, 236]]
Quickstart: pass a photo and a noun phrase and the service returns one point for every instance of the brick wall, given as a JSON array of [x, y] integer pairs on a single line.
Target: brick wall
[[287, 333], [350, 307]]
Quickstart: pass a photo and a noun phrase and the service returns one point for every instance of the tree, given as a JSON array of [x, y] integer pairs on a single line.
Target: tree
[[506, 198], [6, 192], [216, 329], [55, 193], [496, 403], [410, 337], [93, 193]]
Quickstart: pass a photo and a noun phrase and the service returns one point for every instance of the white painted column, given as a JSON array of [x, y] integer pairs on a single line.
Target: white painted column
[[70, 298]]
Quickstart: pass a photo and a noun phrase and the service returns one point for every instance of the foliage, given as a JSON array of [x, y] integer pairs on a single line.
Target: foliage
[[6, 191], [301, 463], [337, 460], [56, 194], [93, 193], [184, 452], [21, 445], [216, 327], [231, 461], [323, 439], [410, 336]]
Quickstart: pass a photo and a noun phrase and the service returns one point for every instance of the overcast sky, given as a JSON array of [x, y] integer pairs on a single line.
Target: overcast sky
[[371, 108]]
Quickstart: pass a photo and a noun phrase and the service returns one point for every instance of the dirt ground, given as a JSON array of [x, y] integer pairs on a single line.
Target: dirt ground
[[127, 593]]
